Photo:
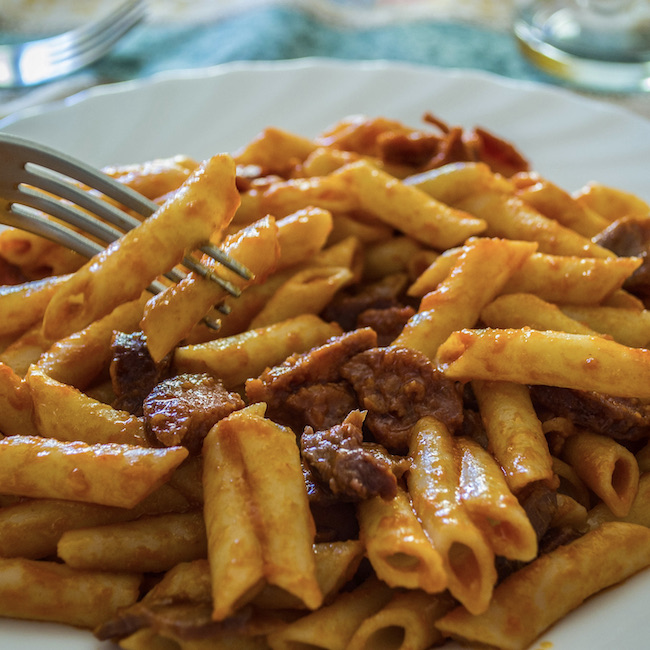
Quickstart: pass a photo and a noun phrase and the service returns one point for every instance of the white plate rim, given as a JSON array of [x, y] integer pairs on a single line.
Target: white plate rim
[[567, 634], [609, 118], [230, 67]]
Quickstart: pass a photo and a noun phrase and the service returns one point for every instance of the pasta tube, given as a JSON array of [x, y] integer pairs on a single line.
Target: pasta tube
[[433, 482], [397, 547], [527, 310], [236, 358], [407, 621], [510, 217], [170, 316], [514, 433], [49, 591], [146, 545], [482, 269], [491, 505], [550, 358], [606, 467], [109, 474], [65, 413], [332, 626], [201, 209], [24, 304], [17, 405], [257, 516], [407, 208], [79, 358], [533, 598]]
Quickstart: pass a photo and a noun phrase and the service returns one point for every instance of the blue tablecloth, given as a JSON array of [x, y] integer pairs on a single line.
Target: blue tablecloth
[[281, 30], [274, 33]]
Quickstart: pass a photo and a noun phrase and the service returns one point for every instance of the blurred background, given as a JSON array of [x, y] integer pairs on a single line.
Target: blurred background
[[180, 34]]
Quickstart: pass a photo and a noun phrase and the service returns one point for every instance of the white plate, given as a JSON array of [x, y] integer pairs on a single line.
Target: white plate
[[568, 139]]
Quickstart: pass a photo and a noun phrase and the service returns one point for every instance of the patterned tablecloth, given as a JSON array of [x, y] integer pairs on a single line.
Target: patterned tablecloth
[[182, 34]]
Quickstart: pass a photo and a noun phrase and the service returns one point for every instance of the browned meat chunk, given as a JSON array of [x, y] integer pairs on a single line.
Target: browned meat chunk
[[342, 461], [321, 405], [181, 410], [10, 273], [540, 504], [179, 605], [133, 372], [319, 366], [388, 323], [501, 156], [629, 237], [473, 427], [398, 386], [183, 619], [346, 306], [413, 149], [621, 418]]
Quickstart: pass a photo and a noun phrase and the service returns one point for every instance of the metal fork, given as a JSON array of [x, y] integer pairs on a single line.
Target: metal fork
[[33, 181], [35, 62]]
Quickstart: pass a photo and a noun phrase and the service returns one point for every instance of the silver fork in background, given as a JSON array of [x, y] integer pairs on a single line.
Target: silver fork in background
[[35, 62], [36, 181]]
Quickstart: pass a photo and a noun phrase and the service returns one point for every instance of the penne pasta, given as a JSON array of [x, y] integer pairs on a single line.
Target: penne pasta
[[570, 360], [638, 513], [109, 474], [200, 209], [433, 482], [170, 315], [407, 621], [308, 291], [555, 203], [147, 545], [64, 413], [24, 304], [533, 598], [18, 407], [606, 467], [519, 310], [508, 216], [458, 300], [333, 626], [398, 549], [239, 502], [49, 591], [407, 208], [514, 433], [491, 505], [79, 359], [236, 358]]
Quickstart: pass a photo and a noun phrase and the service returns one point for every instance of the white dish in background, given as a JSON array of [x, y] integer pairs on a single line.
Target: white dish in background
[[568, 139]]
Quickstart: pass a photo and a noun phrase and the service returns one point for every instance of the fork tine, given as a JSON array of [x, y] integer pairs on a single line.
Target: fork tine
[[129, 10], [205, 272], [60, 186], [68, 213], [47, 158], [27, 217], [35, 62], [31, 220], [89, 42], [36, 180], [230, 263], [126, 14]]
